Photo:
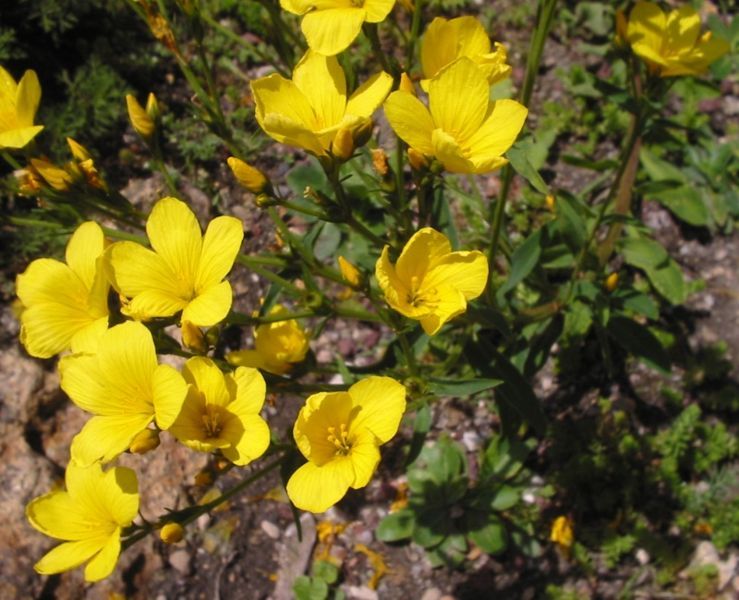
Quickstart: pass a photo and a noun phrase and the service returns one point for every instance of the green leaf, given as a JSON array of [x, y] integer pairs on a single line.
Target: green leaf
[[505, 498], [659, 169], [578, 319], [460, 388], [396, 526], [686, 204], [308, 174], [585, 163], [445, 460], [639, 341], [421, 426], [668, 281], [491, 538], [523, 261], [309, 588], [504, 457], [328, 242], [328, 572], [644, 253], [517, 155], [639, 303]]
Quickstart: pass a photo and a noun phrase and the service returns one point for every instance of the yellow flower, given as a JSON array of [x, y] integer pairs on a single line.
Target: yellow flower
[[221, 412], [184, 271], [142, 121], [65, 305], [671, 44], [429, 282], [330, 26], [463, 129], [340, 433], [84, 164], [562, 533], [278, 346], [309, 110], [446, 41], [124, 388], [88, 516], [349, 272], [18, 105], [171, 533]]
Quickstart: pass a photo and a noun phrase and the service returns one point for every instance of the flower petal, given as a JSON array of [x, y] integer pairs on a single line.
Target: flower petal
[[276, 95], [382, 402], [69, 555], [451, 303], [251, 442], [365, 457], [438, 48], [682, 28], [496, 135], [330, 31], [104, 437], [292, 133], [250, 391], [57, 515], [49, 328], [458, 99], [449, 153], [87, 338], [368, 96], [170, 390], [209, 307], [28, 96], [377, 10], [646, 26], [411, 120], [321, 79], [103, 563], [83, 249], [120, 493], [425, 247], [221, 244], [175, 235], [205, 375], [321, 411], [316, 489], [150, 304], [465, 271], [18, 138], [49, 281], [133, 269]]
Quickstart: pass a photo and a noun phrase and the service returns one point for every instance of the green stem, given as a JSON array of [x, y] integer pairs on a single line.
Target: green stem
[[190, 514], [415, 28], [408, 352], [389, 66], [288, 286], [242, 319], [11, 161]]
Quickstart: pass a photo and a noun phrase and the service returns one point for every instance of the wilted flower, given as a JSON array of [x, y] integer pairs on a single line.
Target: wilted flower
[[310, 110], [18, 105], [671, 44], [340, 433], [429, 282], [88, 516], [462, 128], [448, 40], [330, 26], [184, 271], [65, 305]]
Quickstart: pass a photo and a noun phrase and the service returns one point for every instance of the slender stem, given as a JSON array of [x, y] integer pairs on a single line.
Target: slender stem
[[415, 28], [408, 352], [242, 319], [288, 286], [190, 514], [11, 161], [268, 261], [123, 235], [389, 66]]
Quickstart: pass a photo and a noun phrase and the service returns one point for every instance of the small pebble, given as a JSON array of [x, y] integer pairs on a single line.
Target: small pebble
[[432, 594], [180, 560], [270, 529]]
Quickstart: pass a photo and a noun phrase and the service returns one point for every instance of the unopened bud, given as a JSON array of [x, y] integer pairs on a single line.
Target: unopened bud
[[144, 442], [550, 202], [142, 123], [172, 533], [343, 144], [379, 161], [152, 107], [248, 177], [79, 152], [611, 282], [193, 337], [264, 201], [406, 85], [362, 133], [57, 178], [417, 160], [349, 272]]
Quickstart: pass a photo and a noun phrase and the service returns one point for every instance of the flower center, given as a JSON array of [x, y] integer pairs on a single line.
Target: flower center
[[212, 422], [417, 298], [340, 439]]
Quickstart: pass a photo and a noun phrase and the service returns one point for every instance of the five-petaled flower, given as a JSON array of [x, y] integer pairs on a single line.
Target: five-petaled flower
[[123, 387], [447, 40], [429, 282], [671, 44], [278, 345], [330, 26], [185, 271], [88, 516], [221, 411], [462, 128], [18, 105], [339, 433], [65, 305], [312, 110]]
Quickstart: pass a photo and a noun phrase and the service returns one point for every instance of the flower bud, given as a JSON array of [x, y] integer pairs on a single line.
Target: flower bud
[[193, 338], [361, 134], [57, 178], [248, 177], [562, 533], [343, 144], [379, 161], [349, 272], [550, 202], [417, 160], [611, 282], [142, 123], [144, 442], [406, 85], [152, 107], [172, 533], [79, 152]]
